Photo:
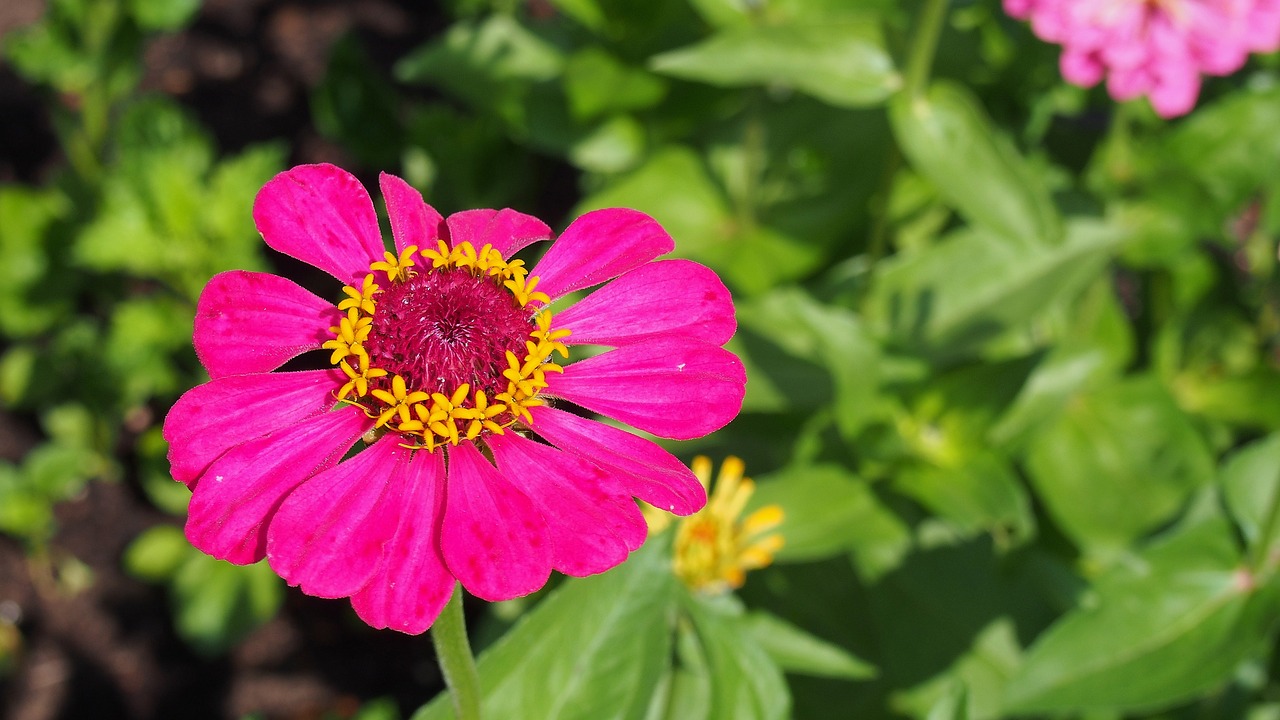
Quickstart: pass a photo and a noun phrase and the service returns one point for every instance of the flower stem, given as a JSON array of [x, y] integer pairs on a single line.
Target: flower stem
[[453, 651], [924, 45]]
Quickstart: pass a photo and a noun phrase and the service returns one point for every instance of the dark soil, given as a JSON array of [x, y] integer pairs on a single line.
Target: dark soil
[[106, 648]]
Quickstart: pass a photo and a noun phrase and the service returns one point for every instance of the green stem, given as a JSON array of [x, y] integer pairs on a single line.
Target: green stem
[[453, 651], [924, 45]]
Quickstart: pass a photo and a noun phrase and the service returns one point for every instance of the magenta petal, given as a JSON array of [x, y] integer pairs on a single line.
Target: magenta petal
[[412, 585], [591, 529], [663, 297], [328, 535], [600, 246], [234, 499], [647, 471], [210, 419], [321, 215], [413, 222], [506, 230], [494, 540], [673, 388], [250, 322]]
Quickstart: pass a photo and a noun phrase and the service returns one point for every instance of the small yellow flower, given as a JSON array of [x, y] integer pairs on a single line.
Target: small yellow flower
[[714, 547]]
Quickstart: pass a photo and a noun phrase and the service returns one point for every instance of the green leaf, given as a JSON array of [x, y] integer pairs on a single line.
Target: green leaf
[[950, 140], [593, 649], [841, 63], [802, 354], [745, 682], [216, 604], [828, 512], [948, 298], [163, 15], [156, 554], [795, 650], [1160, 631], [597, 84], [490, 64], [1120, 461], [1250, 484], [979, 492]]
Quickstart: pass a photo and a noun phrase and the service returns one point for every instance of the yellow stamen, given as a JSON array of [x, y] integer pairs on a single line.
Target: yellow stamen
[[397, 268], [714, 548]]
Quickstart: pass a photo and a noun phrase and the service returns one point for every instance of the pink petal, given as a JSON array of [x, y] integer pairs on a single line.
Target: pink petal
[[210, 419], [647, 471], [671, 387], [321, 215], [590, 529], [494, 539], [663, 297], [413, 222], [507, 230], [236, 497], [412, 585], [328, 535], [599, 246], [251, 322]]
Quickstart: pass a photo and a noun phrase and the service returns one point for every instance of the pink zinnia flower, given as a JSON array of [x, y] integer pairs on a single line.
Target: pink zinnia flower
[[446, 359], [1157, 48]]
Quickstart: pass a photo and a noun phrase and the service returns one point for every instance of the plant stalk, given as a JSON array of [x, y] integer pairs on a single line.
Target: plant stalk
[[453, 651]]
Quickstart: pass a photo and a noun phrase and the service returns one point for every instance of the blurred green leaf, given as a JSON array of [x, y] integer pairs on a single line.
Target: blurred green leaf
[[597, 83], [490, 64], [1251, 488], [1175, 623], [802, 354], [216, 604], [615, 145], [163, 14], [594, 648], [1120, 461], [156, 554], [979, 492], [796, 651], [946, 299], [842, 63], [829, 512], [950, 140], [356, 106], [731, 13]]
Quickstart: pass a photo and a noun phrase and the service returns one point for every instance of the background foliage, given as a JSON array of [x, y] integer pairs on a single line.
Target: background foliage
[[1013, 349]]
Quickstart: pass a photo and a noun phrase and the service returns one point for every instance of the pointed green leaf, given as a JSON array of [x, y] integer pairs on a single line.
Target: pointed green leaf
[[841, 63], [828, 512], [746, 684], [594, 649], [1120, 461], [950, 140], [1160, 631], [797, 651], [971, 286], [1250, 484]]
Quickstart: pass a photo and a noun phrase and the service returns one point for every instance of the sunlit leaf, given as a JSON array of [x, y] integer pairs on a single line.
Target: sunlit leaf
[[1174, 624], [842, 63], [950, 140], [594, 649]]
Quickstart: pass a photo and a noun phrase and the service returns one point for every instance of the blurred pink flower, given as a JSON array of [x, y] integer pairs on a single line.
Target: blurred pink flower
[[1156, 48], [445, 361]]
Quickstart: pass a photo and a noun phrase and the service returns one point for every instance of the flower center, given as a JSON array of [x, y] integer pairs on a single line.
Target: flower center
[[440, 330], [452, 352]]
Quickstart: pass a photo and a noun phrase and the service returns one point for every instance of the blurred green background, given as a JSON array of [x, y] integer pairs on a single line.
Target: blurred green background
[[1013, 352]]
